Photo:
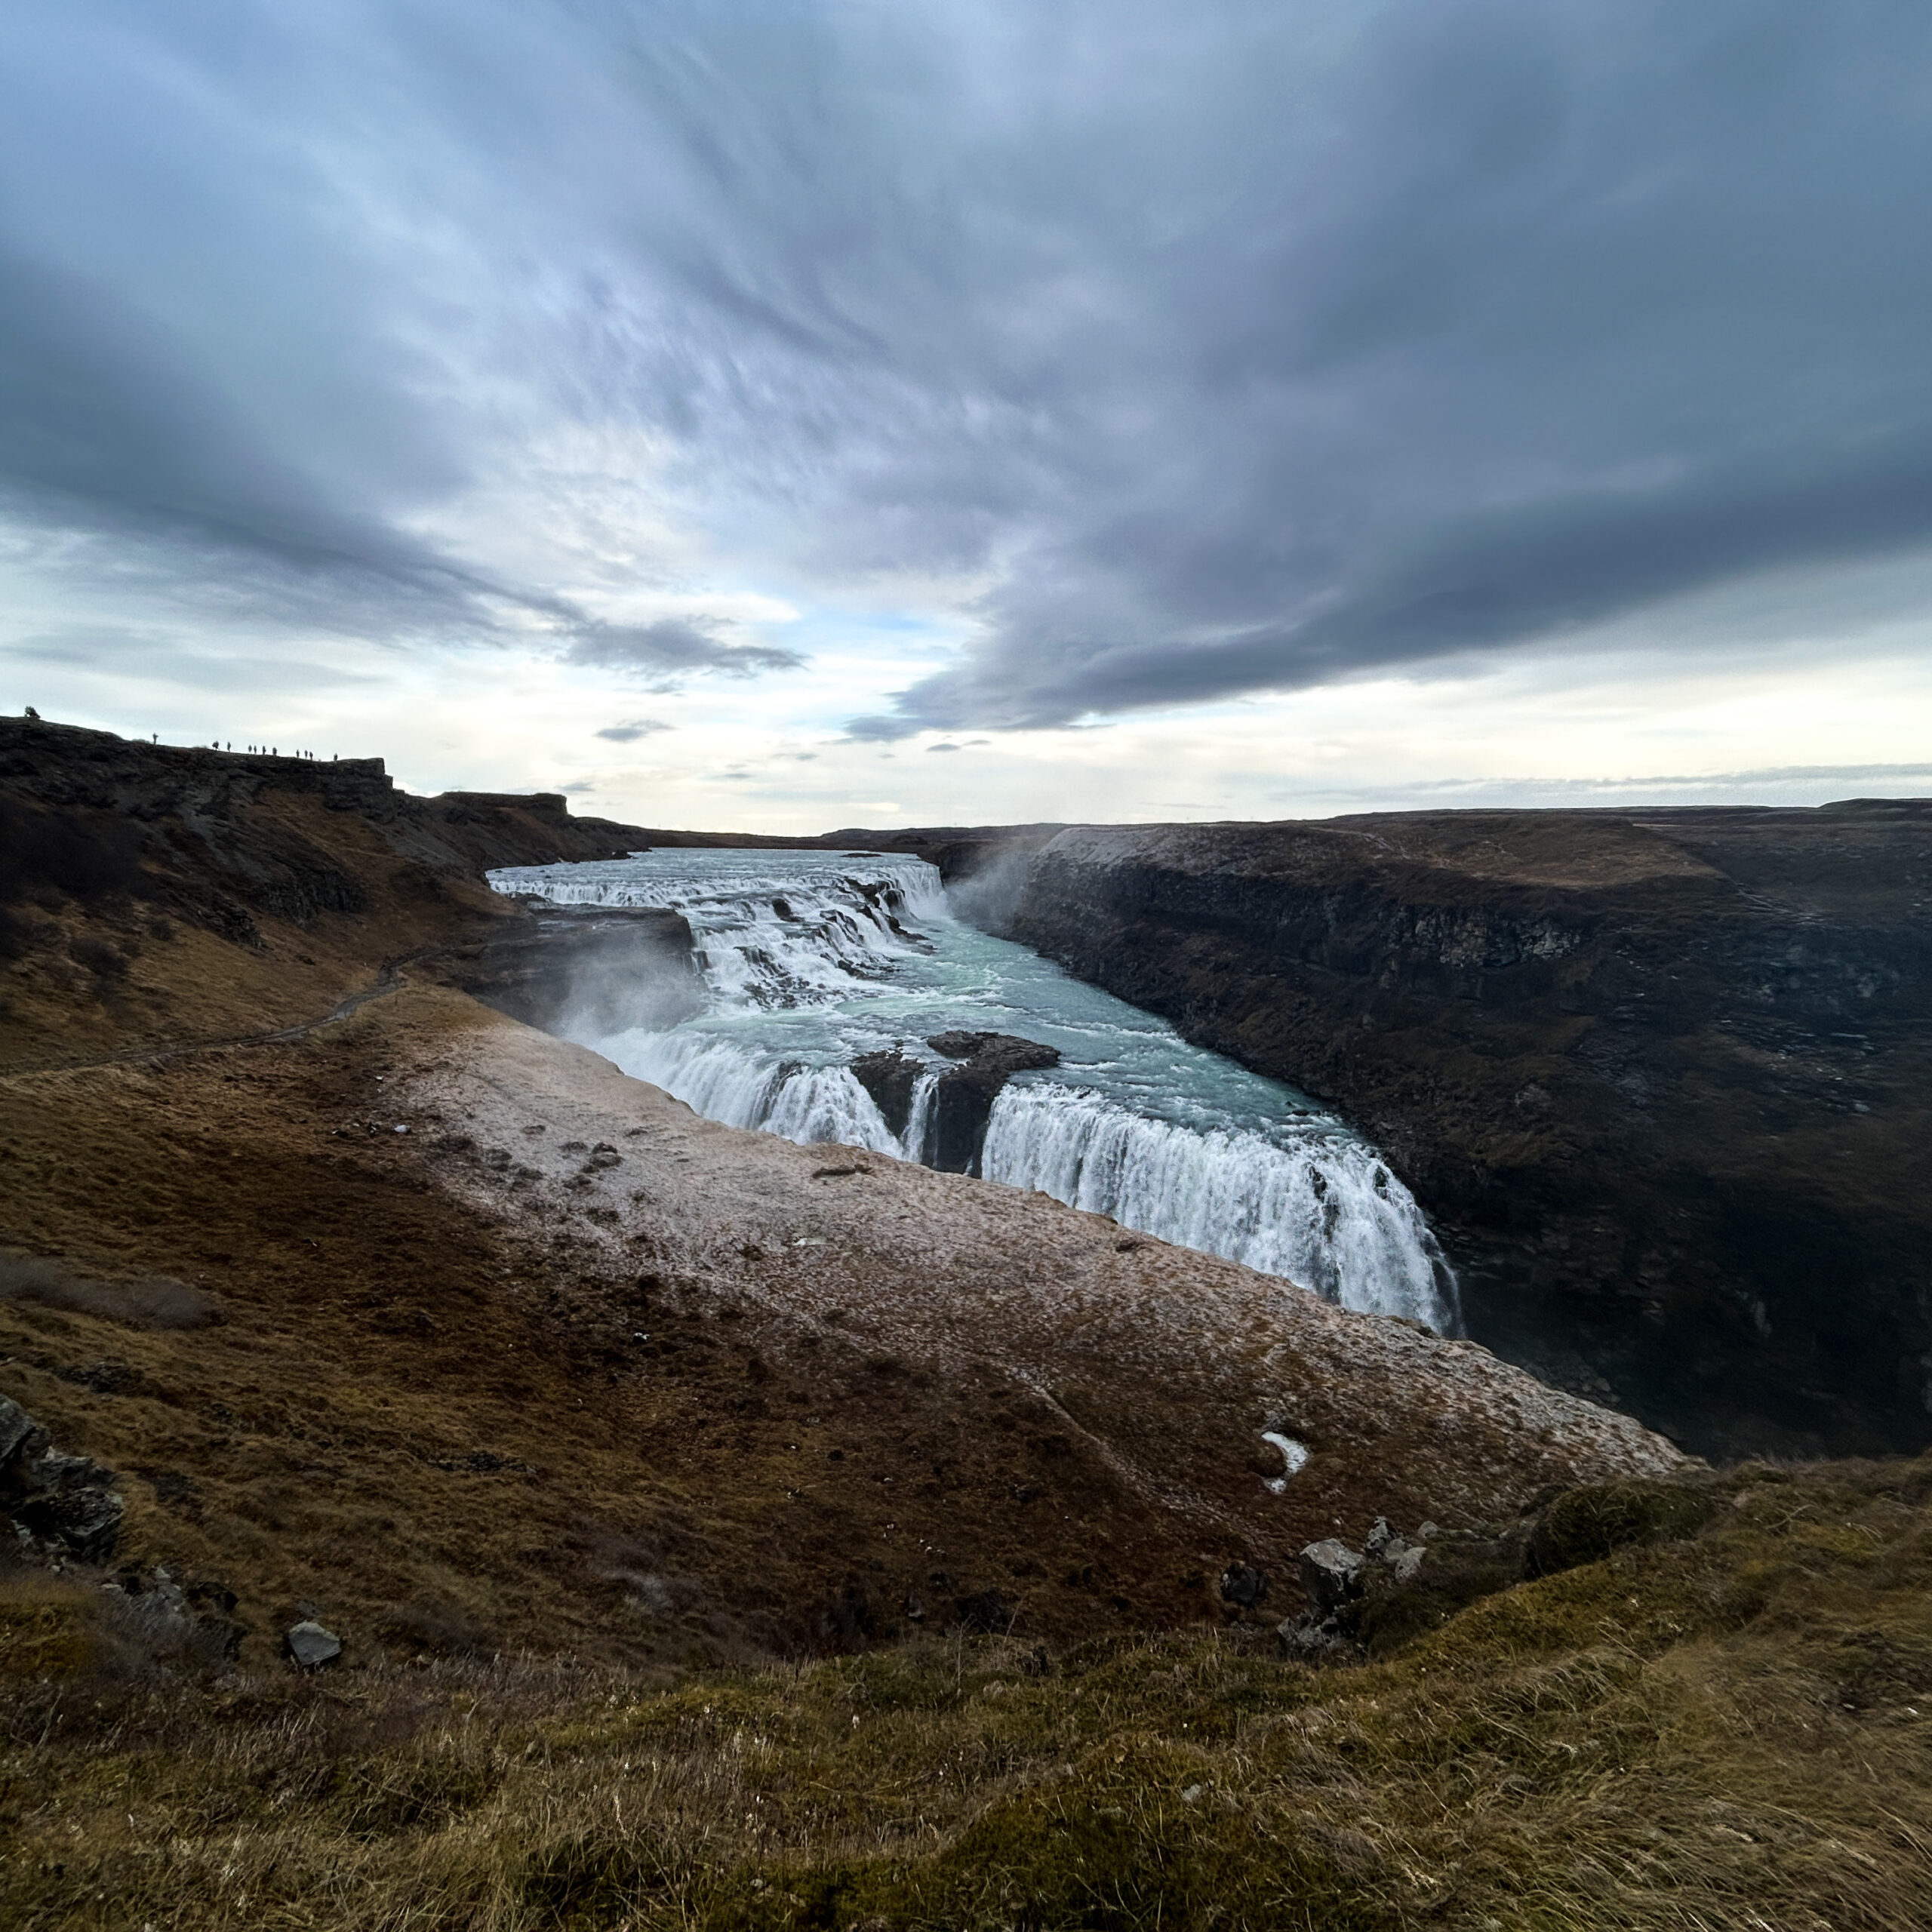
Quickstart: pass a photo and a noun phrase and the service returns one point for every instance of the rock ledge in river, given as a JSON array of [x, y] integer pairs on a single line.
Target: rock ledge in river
[[963, 1104]]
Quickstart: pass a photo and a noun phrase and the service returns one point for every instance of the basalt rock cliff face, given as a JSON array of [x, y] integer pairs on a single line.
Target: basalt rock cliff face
[[963, 1097], [1660, 1078]]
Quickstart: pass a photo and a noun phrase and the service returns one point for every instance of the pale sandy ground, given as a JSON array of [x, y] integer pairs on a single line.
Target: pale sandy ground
[[1171, 1364]]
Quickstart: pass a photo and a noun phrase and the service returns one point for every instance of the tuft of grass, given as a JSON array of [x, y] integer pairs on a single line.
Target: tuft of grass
[[1725, 1721], [49, 1628], [1586, 1524]]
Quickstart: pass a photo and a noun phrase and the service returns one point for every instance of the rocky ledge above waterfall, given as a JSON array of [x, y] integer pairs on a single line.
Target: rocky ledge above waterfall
[[963, 1097]]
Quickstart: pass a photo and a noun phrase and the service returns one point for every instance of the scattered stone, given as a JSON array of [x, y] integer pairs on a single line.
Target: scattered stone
[[196, 1618], [1331, 1574], [310, 1647], [1308, 1639], [1405, 1564], [1359, 1599], [1400, 1557]]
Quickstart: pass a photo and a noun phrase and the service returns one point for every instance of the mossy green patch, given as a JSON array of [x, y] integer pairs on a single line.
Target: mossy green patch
[[1585, 1524]]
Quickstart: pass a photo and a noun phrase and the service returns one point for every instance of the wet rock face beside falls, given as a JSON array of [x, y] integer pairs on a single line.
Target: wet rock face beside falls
[[963, 1100], [589, 972]]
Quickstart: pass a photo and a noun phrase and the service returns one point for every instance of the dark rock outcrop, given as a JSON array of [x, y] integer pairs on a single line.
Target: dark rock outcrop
[[963, 1100], [1331, 1575], [1659, 1078], [889, 1077], [1243, 1586], [57, 1504], [208, 836], [196, 1619], [963, 1104]]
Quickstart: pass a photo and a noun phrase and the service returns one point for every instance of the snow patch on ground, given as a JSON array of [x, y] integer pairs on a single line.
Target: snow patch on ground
[[1295, 1458]]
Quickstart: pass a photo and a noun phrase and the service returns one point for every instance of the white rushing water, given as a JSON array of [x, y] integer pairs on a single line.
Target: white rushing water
[[811, 959]]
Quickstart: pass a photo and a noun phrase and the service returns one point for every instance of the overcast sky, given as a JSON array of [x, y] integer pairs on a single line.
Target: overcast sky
[[796, 415]]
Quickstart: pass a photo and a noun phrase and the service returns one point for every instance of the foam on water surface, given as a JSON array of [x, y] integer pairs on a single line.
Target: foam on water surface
[[811, 959]]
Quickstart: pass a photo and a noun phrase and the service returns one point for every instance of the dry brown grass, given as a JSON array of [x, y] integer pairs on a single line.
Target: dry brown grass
[[1733, 1730]]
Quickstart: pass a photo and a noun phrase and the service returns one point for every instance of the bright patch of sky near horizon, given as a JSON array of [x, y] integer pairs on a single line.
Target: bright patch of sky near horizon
[[822, 412]]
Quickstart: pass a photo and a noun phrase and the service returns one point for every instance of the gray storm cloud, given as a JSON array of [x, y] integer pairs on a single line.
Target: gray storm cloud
[[1205, 349]]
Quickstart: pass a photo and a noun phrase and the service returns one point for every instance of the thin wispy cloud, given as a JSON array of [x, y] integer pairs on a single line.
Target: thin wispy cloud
[[629, 730]]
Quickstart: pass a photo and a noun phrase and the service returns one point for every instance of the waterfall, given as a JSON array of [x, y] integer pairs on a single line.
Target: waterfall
[[768, 938], [813, 960], [1323, 1210], [722, 1079]]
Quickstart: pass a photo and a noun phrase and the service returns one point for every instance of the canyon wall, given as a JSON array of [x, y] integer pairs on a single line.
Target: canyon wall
[[1660, 1078]]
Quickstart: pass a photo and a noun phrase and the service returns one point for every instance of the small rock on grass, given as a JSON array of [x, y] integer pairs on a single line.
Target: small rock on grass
[[1243, 1586], [1331, 1573], [310, 1647]]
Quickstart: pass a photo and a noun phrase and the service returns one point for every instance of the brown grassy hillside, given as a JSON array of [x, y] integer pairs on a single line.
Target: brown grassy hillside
[[725, 1533], [1732, 1731]]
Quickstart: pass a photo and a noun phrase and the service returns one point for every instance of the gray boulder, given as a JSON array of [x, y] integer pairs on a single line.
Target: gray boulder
[[1331, 1573], [1398, 1556], [310, 1647], [1243, 1586], [1309, 1639], [1347, 1589]]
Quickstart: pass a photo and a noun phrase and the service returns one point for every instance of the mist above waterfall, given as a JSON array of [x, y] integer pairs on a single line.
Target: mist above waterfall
[[812, 961], [988, 895]]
